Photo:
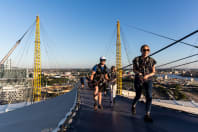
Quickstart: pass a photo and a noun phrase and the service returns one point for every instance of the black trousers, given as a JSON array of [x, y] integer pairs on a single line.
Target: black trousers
[[139, 86]]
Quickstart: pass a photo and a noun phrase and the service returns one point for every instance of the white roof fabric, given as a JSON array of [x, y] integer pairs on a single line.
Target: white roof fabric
[[42, 116]]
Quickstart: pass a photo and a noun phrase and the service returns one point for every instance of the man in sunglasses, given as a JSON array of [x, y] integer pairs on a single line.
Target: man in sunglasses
[[144, 69], [99, 78]]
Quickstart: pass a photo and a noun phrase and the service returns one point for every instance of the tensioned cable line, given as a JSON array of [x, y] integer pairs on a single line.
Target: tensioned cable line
[[174, 43], [26, 47], [47, 45], [109, 50], [14, 47], [160, 50], [162, 36], [177, 60], [27, 30], [125, 48], [110, 41], [184, 64]]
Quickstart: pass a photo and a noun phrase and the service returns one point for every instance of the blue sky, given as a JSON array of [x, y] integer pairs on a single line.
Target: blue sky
[[77, 32]]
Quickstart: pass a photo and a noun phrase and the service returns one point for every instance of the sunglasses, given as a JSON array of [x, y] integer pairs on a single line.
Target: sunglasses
[[146, 50]]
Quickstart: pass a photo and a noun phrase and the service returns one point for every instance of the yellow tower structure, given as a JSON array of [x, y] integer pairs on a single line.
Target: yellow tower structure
[[37, 64], [119, 60]]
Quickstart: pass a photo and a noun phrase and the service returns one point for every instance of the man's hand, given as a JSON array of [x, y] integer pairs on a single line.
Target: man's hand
[[140, 74], [146, 77]]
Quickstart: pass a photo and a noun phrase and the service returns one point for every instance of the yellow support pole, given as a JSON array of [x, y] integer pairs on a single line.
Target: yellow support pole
[[37, 64], [119, 60]]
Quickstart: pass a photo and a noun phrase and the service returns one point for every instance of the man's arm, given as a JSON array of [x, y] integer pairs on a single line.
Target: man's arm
[[106, 77], [92, 75], [94, 69], [151, 74]]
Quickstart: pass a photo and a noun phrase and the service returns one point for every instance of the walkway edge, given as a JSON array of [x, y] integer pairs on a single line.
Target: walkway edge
[[177, 107], [191, 110], [68, 114]]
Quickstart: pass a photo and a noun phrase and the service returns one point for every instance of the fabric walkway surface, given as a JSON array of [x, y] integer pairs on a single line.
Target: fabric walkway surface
[[119, 119], [42, 116]]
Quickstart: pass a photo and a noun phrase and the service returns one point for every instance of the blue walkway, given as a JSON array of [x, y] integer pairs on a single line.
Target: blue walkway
[[119, 119]]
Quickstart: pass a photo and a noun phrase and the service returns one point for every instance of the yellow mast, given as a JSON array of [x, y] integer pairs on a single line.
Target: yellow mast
[[37, 64], [118, 60]]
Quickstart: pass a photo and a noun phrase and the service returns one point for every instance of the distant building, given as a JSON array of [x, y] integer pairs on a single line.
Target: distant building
[[160, 78], [165, 77], [176, 72], [57, 76], [192, 79], [67, 73]]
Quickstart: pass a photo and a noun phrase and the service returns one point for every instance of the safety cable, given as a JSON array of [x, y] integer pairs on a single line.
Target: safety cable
[[162, 36], [184, 64], [177, 60], [124, 43], [167, 46]]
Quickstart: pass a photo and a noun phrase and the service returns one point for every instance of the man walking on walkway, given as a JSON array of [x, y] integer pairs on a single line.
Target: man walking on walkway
[[112, 84], [144, 69], [99, 78], [82, 81]]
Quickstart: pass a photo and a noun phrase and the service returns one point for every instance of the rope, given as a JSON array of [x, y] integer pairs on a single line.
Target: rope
[[160, 50], [162, 36], [177, 60], [125, 48], [27, 31], [15, 45], [185, 64], [48, 47], [25, 48], [174, 43]]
